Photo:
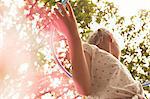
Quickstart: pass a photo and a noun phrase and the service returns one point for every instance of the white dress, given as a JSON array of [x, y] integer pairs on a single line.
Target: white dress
[[110, 78]]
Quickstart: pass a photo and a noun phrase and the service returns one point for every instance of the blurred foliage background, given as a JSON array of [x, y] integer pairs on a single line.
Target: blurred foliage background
[[33, 35], [135, 30]]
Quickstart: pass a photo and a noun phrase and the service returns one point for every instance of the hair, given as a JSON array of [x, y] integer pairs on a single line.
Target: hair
[[98, 36]]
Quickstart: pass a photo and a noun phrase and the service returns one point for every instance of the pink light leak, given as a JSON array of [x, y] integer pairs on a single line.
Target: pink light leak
[[22, 33]]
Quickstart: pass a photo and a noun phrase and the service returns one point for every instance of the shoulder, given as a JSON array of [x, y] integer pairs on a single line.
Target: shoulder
[[87, 48]]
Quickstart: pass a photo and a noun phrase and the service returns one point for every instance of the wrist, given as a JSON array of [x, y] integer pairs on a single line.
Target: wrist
[[74, 41], [73, 36]]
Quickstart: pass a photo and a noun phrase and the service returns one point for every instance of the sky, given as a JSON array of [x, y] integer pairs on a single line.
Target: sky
[[126, 8], [130, 7]]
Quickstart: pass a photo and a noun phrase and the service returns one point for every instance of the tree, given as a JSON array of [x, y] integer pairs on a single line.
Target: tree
[[136, 53], [135, 31]]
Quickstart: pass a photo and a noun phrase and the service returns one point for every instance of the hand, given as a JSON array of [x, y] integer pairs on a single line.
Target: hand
[[65, 21]]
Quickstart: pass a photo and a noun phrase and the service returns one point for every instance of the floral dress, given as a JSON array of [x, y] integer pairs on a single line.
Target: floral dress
[[110, 78]]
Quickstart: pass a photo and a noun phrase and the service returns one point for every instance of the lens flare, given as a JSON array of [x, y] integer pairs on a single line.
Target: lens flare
[[27, 65]]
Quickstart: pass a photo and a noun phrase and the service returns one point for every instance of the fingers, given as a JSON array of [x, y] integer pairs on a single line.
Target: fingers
[[58, 13], [54, 19], [61, 6], [70, 9], [63, 10]]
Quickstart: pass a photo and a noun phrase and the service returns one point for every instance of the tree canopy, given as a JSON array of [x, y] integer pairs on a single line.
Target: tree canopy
[[135, 31], [34, 38]]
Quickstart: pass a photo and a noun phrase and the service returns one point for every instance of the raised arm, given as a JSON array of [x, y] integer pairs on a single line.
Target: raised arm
[[65, 22]]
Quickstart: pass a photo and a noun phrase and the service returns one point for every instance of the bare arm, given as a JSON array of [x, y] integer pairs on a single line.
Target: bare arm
[[81, 75]]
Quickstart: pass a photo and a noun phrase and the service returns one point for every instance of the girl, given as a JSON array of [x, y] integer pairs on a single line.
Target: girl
[[97, 74], [100, 37]]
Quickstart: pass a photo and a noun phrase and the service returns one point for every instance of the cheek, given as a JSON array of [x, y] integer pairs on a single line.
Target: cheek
[[115, 50], [105, 46]]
